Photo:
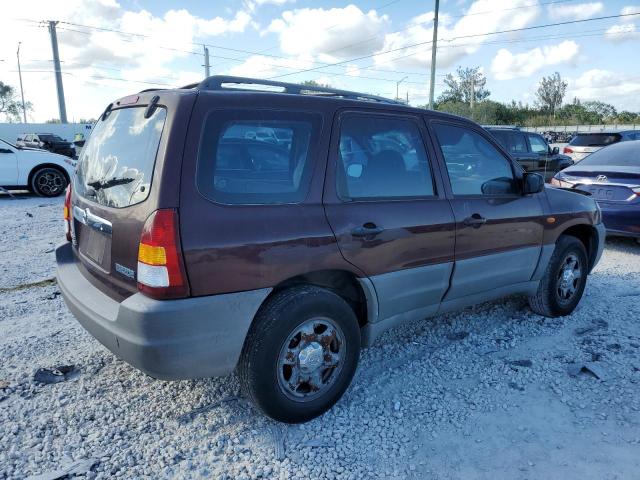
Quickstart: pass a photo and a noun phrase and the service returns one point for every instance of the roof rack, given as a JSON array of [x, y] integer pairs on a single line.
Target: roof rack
[[228, 82]]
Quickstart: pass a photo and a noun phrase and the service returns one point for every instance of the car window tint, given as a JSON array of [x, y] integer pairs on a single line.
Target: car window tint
[[517, 143], [538, 145], [475, 166], [382, 158], [256, 158]]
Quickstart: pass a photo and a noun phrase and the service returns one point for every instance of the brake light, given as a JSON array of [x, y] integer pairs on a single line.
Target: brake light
[[567, 150], [67, 212], [161, 272]]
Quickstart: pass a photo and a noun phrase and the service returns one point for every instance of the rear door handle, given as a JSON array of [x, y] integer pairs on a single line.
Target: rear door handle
[[476, 221], [367, 230]]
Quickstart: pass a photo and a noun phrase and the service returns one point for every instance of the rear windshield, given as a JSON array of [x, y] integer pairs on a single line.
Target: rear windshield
[[623, 154], [258, 157], [116, 164], [595, 139]]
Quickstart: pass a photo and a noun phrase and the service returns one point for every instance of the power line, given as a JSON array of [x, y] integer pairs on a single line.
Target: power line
[[476, 35]]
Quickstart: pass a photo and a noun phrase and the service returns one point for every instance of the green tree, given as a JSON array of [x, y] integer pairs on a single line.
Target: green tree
[[603, 110], [551, 92], [313, 83], [10, 105], [468, 83]]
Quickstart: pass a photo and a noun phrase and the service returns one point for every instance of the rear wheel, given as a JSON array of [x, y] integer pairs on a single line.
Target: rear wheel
[[562, 285], [48, 182], [300, 354]]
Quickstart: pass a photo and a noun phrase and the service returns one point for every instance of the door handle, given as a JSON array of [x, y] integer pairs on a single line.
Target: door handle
[[367, 230], [476, 221]]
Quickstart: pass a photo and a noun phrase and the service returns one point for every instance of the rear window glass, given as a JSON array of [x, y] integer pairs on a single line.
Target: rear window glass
[[116, 165], [258, 157], [595, 139]]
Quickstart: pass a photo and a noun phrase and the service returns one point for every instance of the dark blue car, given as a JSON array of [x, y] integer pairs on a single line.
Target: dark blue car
[[612, 176]]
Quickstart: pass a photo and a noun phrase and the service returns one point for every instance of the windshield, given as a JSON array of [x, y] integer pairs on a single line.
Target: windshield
[[595, 139], [116, 164], [623, 154], [49, 138]]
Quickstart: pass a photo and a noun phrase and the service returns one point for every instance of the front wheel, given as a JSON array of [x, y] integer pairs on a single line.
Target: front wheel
[[300, 354], [563, 283], [48, 182]]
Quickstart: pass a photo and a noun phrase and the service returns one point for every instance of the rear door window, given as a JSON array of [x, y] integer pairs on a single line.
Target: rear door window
[[115, 168], [382, 157], [258, 157]]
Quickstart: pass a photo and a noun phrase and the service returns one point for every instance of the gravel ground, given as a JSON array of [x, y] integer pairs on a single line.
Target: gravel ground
[[491, 392]]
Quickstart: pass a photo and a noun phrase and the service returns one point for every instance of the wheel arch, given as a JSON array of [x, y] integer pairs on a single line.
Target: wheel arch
[[588, 235], [356, 291]]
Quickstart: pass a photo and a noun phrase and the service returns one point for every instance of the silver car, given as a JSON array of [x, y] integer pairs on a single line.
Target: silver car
[[584, 144]]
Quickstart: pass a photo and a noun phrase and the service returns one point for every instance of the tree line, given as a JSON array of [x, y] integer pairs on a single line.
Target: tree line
[[466, 95]]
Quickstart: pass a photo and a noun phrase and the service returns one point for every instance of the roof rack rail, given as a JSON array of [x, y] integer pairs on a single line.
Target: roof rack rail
[[219, 82]]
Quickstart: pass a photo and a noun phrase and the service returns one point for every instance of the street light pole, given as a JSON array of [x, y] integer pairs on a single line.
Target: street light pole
[[24, 109], [398, 87]]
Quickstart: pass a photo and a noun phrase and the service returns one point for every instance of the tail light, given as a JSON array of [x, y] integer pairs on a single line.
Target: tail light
[[67, 212], [161, 272], [567, 150]]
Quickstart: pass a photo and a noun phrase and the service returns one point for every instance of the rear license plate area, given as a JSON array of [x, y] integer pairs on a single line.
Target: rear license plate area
[[95, 246]]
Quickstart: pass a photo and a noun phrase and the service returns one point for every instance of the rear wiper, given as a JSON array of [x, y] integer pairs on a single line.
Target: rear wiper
[[98, 185]]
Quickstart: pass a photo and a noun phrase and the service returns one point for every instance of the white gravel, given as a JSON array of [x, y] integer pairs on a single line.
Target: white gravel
[[427, 401]]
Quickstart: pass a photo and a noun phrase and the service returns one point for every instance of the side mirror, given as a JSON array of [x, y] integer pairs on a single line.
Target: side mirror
[[532, 183], [555, 151]]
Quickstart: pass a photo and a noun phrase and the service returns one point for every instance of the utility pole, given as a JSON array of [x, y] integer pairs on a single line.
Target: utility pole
[[24, 110], [207, 72], [434, 47], [58, 71], [398, 87]]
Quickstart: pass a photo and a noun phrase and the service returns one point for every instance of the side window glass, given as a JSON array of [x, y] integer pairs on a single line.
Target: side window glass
[[256, 158], [475, 166], [538, 145], [518, 143], [382, 158]]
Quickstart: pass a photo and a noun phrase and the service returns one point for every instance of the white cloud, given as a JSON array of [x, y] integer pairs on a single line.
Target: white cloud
[[630, 10], [622, 32], [353, 70], [626, 30], [580, 11], [88, 55], [507, 65], [262, 66], [456, 40], [329, 34], [621, 90]]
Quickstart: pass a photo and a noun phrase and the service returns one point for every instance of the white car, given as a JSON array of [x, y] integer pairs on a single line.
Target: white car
[[44, 173]]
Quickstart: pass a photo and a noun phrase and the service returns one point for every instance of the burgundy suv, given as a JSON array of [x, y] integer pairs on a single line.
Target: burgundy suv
[[213, 228]]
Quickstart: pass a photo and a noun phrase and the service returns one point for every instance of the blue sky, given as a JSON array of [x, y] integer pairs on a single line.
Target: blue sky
[[277, 38]]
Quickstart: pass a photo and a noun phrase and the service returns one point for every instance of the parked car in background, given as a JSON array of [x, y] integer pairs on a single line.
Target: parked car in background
[[612, 176], [583, 144], [531, 151], [47, 141], [42, 172], [194, 251]]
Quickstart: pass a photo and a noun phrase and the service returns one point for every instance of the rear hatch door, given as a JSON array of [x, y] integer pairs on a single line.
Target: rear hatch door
[[585, 143], [129, 167], [608, 183]]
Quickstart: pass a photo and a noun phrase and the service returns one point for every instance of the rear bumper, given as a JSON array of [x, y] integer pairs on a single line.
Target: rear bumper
[[167, 339], [622, 221]]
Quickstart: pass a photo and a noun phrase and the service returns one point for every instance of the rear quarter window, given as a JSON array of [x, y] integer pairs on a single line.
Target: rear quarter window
[[257, 157]]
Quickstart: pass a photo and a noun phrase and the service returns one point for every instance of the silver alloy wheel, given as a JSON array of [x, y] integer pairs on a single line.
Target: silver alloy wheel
[[569, 277], [311, 359], [50, 182]]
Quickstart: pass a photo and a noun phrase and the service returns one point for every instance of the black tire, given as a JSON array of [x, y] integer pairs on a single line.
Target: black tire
[[552, 298], [261, 373], [49, 182]]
